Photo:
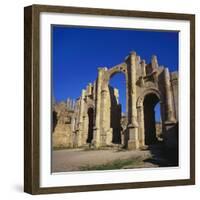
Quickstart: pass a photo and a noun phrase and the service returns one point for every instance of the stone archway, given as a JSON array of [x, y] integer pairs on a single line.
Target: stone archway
[[146, 115], [141, 80], [116, 105], [103, 131], [149, 104], [110, 108]]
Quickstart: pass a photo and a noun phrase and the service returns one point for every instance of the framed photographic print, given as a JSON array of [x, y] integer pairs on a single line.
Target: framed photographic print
[[109, 99]]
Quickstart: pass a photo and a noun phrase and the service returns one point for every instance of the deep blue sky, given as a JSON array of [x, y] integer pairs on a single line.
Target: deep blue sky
[[77, 52]]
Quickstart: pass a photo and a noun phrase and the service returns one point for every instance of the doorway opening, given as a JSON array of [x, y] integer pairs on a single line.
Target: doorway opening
[[90, 124], [117, 89], [152, 113]]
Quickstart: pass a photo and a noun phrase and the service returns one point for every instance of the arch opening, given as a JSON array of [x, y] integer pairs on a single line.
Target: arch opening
[[152, 118], [117, 90], [90, 124]]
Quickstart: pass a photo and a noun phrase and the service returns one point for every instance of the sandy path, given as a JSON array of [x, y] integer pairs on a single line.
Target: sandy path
[[72, 159]]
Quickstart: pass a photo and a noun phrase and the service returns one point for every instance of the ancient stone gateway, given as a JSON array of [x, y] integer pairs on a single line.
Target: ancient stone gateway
[[97, 117]]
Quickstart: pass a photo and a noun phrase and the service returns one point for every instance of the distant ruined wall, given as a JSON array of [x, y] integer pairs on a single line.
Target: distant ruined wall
[[95, 118], [62, 124]]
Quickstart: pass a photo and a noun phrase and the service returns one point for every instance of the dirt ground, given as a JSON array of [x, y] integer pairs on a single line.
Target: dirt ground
[[76, 159]]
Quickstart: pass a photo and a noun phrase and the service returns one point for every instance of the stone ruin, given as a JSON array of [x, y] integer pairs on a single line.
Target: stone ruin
[[96, 120]]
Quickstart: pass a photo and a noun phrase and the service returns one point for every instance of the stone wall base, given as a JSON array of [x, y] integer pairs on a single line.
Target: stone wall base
[[133, 145]]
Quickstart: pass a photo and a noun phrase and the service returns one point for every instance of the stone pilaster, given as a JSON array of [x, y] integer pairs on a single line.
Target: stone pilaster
[[89, 89], [96, 140], [70, 104], [82, 106], [67, 103], [154, 62], [169, 98], [74, 104], [85, 129], [133, 142], [94, 90], [80, 124], [73, 120], [174, 85], [105, 121], [141, 125], [143, 68]]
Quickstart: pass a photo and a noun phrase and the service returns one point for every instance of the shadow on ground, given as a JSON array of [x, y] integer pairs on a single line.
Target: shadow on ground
[[162, 156]]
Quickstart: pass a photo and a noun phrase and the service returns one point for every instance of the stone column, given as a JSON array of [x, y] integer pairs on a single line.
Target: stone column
[[141, 125], [143, 68], [89, 89], [154, 62], [169, 98], [174, 85], [74, 104], [104, 95], [72, 130], [85, 129], [70, 104], [94, 90], [67, 103], [133, 142], [96, 139], [105, 121], [80, 124]]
